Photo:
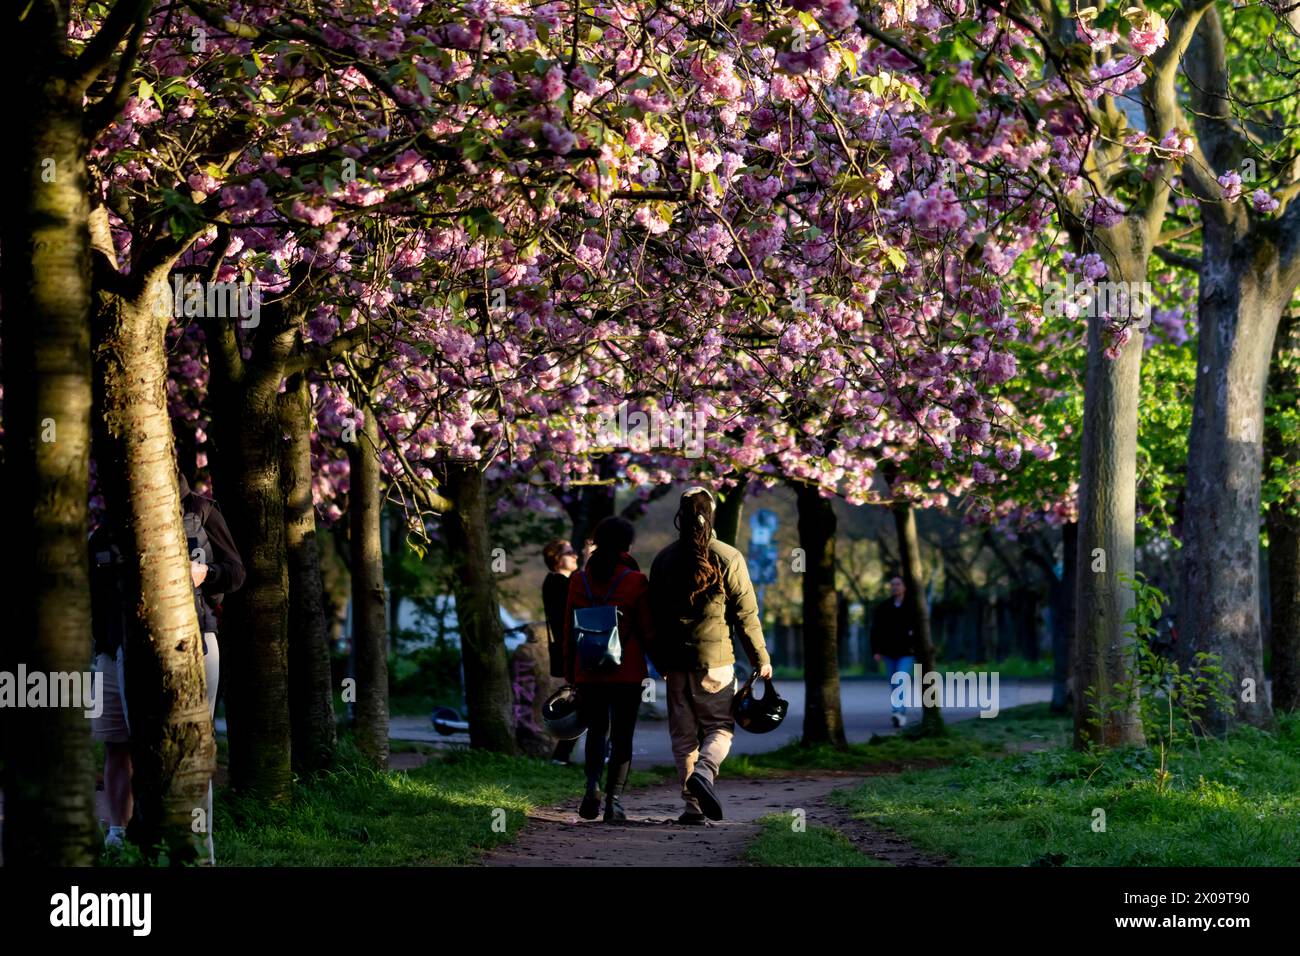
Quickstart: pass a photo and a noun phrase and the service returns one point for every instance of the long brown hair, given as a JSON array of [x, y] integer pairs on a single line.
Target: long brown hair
[[694, 522]]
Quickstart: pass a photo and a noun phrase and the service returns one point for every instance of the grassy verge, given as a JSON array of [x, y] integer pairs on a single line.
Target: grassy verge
[[442, 814], [779, 844], [1013, 667], [1019, 727], [1236, 802]]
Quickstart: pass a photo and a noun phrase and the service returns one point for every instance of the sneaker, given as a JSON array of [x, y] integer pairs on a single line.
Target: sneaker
[[701, 788], [559, 763], [894, 719], [589, 809], [692, 819]]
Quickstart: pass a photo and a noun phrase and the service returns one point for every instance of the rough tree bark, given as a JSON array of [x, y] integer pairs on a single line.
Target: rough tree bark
[[489, 695], [311, 698], [254, 629], [1107, 483], [1062, 598], [396, 545], [1250, 268], [909, 556], [731, 507], [823, 720], [369, 619], [173, 749], [48, 777], [1107, 512], [1238, 310], [590, 504], [1282, 518]]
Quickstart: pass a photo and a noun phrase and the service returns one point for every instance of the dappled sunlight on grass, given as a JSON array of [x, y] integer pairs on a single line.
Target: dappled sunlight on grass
[[1235, 803], [445, 812], [780, 844]]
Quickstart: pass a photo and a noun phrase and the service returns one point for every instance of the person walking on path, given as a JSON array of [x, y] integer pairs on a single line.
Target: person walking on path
[[215, 570], [893, 640], [610, 698], [700, 592], [561, 561]]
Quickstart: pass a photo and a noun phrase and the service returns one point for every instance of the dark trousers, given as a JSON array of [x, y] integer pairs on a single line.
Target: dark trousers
[[610, 710], [563, 749]]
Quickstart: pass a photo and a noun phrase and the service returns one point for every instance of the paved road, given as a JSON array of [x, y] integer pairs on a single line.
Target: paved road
[[865, 704]]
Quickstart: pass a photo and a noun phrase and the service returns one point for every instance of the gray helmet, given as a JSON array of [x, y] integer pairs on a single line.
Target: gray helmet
[[562, 714]]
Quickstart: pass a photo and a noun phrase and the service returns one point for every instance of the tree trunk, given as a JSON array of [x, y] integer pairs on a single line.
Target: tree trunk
[[1282, 519], [173, 749], [823, 721], [988, 629], [726, 520], [591, 504], [48, 777], [909, 556], [1107, 522], [255, 619], [311, 693], [489, 694], [1063, 617], [396, 547], [369, 620], [1238, 310]]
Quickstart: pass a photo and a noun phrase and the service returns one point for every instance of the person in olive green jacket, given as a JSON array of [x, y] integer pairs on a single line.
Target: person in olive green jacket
[[699, 592]]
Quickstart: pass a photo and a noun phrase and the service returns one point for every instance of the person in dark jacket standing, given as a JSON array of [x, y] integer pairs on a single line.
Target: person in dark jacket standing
[[700, 592], [610, 699], [893, 640], [561, 561], [215, 570]]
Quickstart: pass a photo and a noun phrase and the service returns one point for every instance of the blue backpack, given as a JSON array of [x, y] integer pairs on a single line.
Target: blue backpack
[[595, 630]]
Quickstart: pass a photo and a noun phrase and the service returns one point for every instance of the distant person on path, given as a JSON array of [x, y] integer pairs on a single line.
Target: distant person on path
[[699, 591], [610, 698], [893, 640], [215, 570], [561, 561]]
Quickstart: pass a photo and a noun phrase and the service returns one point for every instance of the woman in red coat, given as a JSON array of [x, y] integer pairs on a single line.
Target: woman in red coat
[[610, 699]]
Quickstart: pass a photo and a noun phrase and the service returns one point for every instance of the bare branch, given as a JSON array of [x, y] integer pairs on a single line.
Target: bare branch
[[127, 17]]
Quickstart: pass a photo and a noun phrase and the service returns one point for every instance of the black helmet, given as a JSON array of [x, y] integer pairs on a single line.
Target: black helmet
[[562, 715], [759, 716]]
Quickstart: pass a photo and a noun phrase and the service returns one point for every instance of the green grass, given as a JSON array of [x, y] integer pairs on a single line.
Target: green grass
[[1033, 725], [1235, 803], [1010, 668], [413, 747], [1013, 667], [442, 814], [1017, 727], [780, 844], [880, 752]]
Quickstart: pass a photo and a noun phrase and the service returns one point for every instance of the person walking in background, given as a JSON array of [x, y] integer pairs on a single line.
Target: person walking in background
[[893, 640], [109, 623], [215, 570], [700, 591], [561, 561], [610, 698]]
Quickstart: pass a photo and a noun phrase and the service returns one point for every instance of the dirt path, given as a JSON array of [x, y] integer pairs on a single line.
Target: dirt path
[[556, 836]]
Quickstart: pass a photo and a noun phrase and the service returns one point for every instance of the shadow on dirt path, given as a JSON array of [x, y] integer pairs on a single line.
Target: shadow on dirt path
[[556, 836]]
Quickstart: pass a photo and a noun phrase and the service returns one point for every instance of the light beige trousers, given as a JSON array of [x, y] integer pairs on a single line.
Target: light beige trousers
[[700, 722]]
